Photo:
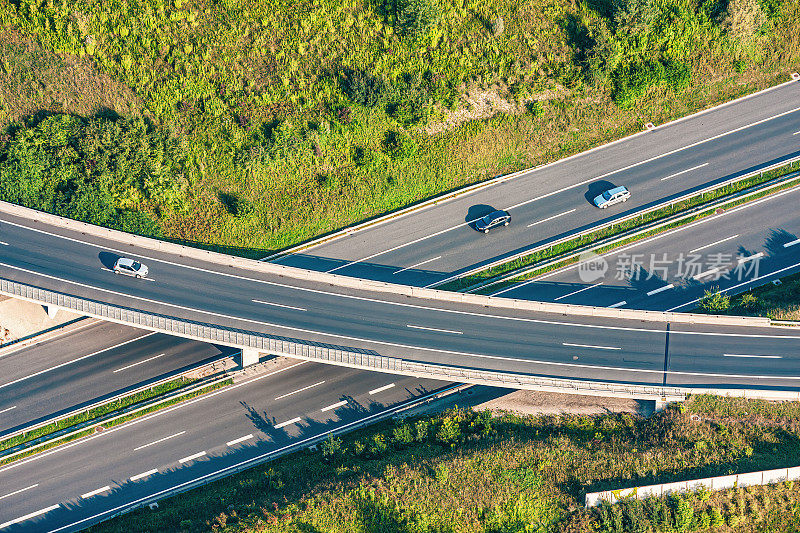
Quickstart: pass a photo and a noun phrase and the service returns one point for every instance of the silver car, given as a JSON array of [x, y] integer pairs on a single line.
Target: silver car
[[130, 267], [612, 196]]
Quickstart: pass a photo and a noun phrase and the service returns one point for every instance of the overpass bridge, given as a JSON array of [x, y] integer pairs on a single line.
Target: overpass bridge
[[268, 308]]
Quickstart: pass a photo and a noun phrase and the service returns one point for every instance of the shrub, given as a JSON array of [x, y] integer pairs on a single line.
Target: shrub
[[449, 432], [403, 435], [415, 18], [422, 429], [331, 446], [714, 301], [398, 145], [362, 88], [716, 517]]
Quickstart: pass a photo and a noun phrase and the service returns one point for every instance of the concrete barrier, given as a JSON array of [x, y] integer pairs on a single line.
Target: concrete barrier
[[762, 477], [349, 282]]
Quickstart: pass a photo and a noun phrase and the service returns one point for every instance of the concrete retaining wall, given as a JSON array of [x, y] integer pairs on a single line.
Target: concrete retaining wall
[[377, 286], [763, 477]]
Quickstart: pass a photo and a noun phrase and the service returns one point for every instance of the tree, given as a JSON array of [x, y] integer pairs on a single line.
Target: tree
[[415, 18]]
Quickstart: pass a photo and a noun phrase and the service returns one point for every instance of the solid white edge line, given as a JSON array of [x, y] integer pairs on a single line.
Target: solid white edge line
[[158, 441], [418, 264], [192, 457], [552, 217], [18, 491], [234, 442], [661, 289], [668, 233], [145, 418], [144, 474], [618, 304], [101, 490], [412, 326], [753, 356], [29, 516], [735, 287], [299, 390], [671, 152], [334, 406], [576, 292], [232, 468], [75, 360], [139, 363], [713, 243], [590, 346], [684, 171], [741, 260], [381, 389], [791, 243], [287, 423], [279, 305], [7, 409]]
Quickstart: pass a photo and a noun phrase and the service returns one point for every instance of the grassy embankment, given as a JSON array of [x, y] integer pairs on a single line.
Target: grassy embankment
[[294, 119], [463, 471]]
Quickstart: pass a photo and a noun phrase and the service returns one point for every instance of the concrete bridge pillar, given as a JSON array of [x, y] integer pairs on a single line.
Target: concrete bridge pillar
[[250, 356], [51, 310]]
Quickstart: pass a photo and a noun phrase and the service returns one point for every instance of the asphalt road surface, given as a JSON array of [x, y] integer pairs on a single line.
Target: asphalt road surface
[[553, 201], [74, 486], [733, 251], [415, 329], [96, 360]]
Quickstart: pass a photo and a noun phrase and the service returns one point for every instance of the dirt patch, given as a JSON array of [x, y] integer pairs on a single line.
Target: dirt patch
[[527, 402], [19, 319], [480, 103], [33, 80]]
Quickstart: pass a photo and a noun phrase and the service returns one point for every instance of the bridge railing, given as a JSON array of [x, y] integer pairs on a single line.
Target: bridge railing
[[358, 358]]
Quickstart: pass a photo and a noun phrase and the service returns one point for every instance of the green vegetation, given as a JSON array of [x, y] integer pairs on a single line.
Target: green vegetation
[[110, 409], [96, 412], [106, 172], [578, 243], [471, 471], [295, 119], [778, 302]]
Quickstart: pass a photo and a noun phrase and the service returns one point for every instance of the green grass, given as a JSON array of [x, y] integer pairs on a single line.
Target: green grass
[[581, 242], [258, 93], [463, 471], [93, 414], [778, 302]]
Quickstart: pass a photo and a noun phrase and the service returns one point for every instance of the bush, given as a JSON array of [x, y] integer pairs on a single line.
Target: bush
[[398, 145], [714, 301], [99, 171], [415, 18], [632, 80], [362, 88]]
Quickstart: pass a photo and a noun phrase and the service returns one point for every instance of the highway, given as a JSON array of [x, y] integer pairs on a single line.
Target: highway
[[764, 234], [64, 490], [93, 361], [416, 329], [554, 200]]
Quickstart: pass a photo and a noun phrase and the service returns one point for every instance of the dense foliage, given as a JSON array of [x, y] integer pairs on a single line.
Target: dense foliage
[[118, 173], [466, 471], [315, 115]]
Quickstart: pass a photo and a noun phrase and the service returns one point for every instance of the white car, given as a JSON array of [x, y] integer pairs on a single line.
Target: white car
[[612, 196], [130, 267]]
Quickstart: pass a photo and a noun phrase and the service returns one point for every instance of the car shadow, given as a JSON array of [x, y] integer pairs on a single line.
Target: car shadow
[[477, 212], [107, 259], [597, 188]]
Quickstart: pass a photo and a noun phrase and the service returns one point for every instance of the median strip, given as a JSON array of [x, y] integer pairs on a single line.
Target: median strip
[[568, 253]]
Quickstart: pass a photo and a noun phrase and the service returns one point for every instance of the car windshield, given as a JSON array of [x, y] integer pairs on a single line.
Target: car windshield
[[607, 195], [488, 218], [136, 265]]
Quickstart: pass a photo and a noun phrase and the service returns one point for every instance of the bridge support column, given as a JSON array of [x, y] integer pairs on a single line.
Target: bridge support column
[[660, 405], [51, 310], [249, 357]]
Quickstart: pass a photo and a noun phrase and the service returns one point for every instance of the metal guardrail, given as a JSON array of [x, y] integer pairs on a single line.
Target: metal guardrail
[[100, 403], [634, 232], [612, 223], [363, 359]]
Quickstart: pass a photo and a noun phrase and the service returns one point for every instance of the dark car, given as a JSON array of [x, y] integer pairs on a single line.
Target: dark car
[[492, 220]]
